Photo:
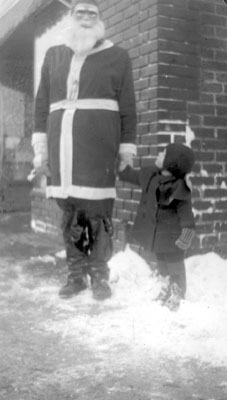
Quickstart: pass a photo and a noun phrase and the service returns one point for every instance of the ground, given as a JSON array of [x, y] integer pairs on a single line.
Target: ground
[[57, 349]]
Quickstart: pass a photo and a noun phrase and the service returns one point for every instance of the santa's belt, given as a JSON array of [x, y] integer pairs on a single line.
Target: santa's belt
[[85, 104]]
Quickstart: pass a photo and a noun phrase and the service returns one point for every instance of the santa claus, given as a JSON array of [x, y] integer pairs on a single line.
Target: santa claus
[[85, 119]]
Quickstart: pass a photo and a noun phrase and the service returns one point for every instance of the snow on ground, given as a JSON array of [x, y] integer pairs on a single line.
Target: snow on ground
[[134, 319]]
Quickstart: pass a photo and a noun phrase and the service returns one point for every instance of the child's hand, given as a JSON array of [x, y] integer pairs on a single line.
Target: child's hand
[[185, 239]]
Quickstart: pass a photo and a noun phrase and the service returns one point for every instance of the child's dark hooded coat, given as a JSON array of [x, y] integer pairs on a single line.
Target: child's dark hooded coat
[[165, 208]]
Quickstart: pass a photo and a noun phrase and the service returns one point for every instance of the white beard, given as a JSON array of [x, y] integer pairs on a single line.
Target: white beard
[[82, 40]]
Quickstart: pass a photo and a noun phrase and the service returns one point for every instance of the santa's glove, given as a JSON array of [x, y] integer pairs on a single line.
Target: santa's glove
[[40, 160], [185, 239], [125, 159]]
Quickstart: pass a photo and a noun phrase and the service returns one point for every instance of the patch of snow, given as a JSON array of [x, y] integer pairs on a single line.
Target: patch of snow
[[203, 187], [196, 212], [223, 384], [189, 135], [61, 254], [133, 319], [43, 259], [204, 173], [223, 185]]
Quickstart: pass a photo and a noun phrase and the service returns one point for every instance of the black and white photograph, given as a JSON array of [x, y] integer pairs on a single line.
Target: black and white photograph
[[113, 199]]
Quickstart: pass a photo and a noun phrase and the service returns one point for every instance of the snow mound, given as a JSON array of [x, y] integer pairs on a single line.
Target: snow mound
[[133, 319], [206, 280], [131, 277]]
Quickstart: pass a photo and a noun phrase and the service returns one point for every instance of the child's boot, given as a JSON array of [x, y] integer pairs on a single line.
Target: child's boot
[[164, 294], [173, 302]]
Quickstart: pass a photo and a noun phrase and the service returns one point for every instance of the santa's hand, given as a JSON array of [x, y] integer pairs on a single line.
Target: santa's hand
[[125, 158], [40, 165], [40, 171], [185, 239], [43, 170], [39, 144], [122, 165]]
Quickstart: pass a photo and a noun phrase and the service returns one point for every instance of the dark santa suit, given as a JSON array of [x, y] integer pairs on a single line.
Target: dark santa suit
[[86, 131], [86, 105]]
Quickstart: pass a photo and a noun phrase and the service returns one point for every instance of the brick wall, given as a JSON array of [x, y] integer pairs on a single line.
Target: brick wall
[[179, 55], [194, 34], [208, 118], [133, 25], [46, 216]]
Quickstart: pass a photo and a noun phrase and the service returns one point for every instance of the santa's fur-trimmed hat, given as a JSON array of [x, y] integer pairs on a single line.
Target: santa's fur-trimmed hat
[[77, 2], [179, 159]]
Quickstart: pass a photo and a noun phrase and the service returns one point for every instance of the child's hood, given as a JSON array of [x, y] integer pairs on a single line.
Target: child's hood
[[174, 188], [179, 159]]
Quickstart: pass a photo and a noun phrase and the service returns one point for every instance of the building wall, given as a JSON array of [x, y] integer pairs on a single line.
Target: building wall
[[16, 100], [16, 107], [16, 120], [178, 49], [179, 57]]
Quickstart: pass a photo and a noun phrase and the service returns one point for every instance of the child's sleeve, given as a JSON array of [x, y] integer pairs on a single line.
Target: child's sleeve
[[187, 222], [185, 214]]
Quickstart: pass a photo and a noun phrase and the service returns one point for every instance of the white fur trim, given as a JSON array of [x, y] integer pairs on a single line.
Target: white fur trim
[[74, 77], [89, 7], [66, 149], [188, 182], [127, 148], [81, 192], [105, 45], [66, 141], [85, 104], [39, 137]]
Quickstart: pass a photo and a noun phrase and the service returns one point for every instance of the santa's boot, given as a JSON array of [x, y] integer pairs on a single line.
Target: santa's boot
[[99, 274], [100, 288], [73, 287], [77, 278]]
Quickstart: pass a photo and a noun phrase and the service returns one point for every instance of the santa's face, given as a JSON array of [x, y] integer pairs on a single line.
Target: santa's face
[[86, 15], [87, 28]]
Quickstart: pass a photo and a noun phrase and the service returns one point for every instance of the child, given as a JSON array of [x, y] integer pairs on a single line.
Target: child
[[165, 222]]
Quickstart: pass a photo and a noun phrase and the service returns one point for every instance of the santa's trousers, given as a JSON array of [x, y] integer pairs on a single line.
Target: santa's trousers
[[87, 237]]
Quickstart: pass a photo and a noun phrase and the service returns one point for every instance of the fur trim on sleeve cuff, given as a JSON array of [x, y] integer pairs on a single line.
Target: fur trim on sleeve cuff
[[39, 137], [127, 148]]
